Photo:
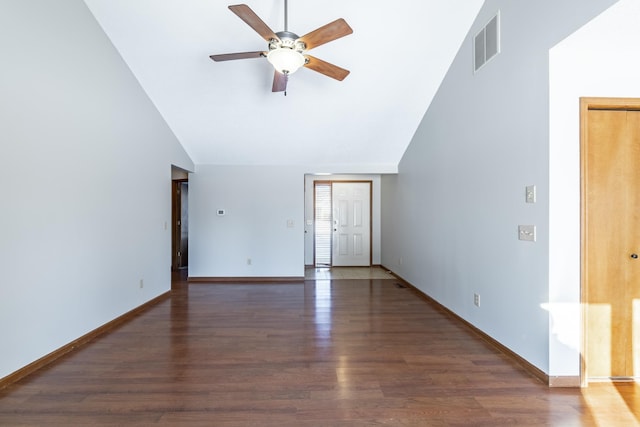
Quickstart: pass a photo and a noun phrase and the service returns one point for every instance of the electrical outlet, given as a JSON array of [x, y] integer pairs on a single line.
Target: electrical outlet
[[141, 283], [248, 261], [476, 300]]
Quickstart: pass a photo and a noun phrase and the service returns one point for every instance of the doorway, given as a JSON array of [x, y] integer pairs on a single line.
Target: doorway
[[342, 223], [610, 214], [179, 224]]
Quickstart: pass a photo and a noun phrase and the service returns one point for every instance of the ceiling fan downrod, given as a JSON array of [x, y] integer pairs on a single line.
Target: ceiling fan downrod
[[286, 30], [286, 15]]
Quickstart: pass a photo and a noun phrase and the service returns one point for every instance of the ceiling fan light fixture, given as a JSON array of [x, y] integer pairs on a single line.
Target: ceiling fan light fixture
[[285, 60]]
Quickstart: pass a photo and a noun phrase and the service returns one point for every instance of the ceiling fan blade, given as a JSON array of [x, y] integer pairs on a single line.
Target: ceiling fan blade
[[245, 13], [279, 82], [332, 31], [326, 68], [240, 55]]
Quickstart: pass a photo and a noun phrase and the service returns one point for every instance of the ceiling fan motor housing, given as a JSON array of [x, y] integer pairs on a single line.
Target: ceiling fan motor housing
[[288, 40]]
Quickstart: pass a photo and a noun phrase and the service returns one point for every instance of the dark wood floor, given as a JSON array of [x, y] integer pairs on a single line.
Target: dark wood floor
[[322, 353]]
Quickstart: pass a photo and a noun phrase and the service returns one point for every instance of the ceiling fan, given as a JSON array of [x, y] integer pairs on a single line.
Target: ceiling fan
[[286, 51]]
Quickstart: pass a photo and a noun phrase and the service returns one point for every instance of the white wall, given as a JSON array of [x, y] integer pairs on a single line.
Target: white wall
[[451, 214], [601, 59], [85, 160], [259, 201], [375, 209]]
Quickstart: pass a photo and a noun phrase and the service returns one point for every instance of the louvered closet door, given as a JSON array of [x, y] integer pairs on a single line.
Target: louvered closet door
[[323, 229]]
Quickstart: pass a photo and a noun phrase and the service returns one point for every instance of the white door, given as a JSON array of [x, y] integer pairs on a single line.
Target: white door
[[351, 224]]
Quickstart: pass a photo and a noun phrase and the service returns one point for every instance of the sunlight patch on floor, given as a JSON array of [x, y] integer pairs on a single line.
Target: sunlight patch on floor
[[347, 273]]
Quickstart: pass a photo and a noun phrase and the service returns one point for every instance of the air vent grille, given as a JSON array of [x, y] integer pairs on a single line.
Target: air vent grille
[[486, 44]]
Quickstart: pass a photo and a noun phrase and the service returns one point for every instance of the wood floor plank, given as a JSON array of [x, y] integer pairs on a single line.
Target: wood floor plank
[[316, 353]]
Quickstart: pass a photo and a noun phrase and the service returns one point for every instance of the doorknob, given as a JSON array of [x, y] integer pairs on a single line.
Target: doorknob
[[634, 256]]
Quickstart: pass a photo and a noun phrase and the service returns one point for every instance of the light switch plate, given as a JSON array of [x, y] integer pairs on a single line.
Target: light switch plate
[[530, 193], [527, 232]]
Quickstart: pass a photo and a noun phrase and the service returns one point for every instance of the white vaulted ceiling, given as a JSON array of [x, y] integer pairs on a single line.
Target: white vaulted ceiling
[[225, 112]]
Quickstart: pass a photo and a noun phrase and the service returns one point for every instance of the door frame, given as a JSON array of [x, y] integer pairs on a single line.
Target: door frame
[[586, 104], [329, 181]]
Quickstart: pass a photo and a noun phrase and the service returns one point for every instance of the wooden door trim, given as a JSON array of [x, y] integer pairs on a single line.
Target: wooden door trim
[[586, 104]]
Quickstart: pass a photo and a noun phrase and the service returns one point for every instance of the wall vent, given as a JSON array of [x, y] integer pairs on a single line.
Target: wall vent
[[486, 44]]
